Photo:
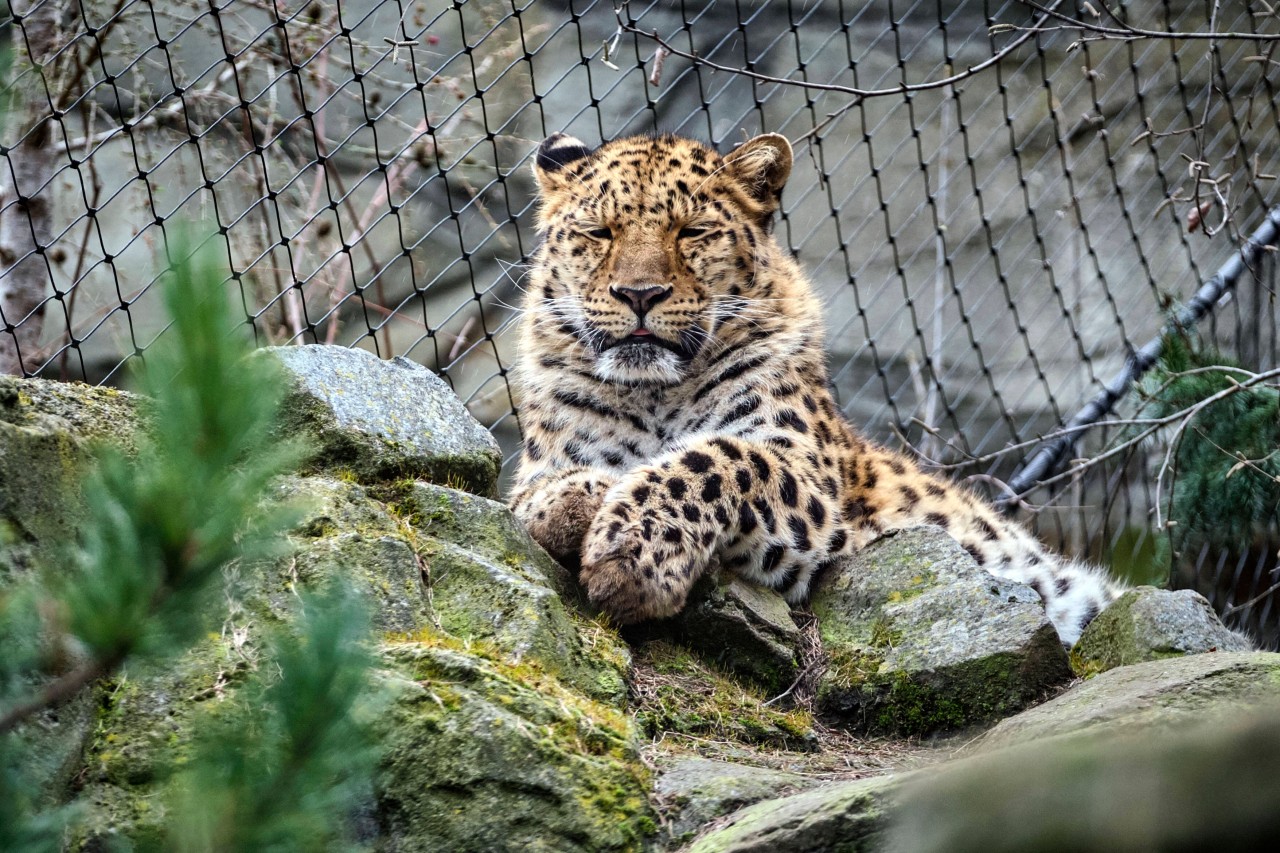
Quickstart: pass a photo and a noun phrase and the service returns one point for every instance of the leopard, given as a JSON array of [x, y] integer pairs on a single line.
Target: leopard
[[675, 402]]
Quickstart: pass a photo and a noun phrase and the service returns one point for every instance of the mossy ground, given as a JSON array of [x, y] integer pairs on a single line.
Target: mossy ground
[[676, 693]]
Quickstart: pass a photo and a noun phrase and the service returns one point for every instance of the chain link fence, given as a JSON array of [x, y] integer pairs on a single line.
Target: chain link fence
[[999, 201]]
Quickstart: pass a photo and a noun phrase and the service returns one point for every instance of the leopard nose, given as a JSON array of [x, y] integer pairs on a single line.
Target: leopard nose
[[641, 299]]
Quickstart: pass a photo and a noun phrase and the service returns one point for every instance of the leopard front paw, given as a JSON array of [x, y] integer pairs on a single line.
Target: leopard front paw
[[639, 569], [558, 515]]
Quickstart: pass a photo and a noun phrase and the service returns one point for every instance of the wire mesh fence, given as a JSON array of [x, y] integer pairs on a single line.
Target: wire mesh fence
[[999, 201]]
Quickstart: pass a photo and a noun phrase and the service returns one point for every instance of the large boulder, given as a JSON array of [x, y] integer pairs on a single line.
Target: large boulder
[[1140, 758], [482, 754], [1150, 624], [919, 639], [48, 433], [1205, 786], [1150, 697], [473, 640], [383, 420], [505, 727]]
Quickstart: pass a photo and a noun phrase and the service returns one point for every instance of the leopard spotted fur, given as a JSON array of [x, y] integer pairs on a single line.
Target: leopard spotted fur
[[674, 395]]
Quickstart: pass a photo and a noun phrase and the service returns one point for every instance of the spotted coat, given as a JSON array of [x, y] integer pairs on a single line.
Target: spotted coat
[[674, 395]]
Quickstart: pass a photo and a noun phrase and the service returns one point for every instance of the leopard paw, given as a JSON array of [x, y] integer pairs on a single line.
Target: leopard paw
[[640, 569], [558, 514]]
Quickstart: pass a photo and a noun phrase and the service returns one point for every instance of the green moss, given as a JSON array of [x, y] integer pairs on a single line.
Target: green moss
[[850, 667], [1085, 667], [884, 635], [914, 709], [676, 692]]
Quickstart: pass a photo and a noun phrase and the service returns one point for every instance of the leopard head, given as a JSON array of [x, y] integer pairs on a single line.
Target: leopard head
[[650, 244]]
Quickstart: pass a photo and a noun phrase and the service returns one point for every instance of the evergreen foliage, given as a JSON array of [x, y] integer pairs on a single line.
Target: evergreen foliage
[[281, 760], [298, 754], [1226, 477]]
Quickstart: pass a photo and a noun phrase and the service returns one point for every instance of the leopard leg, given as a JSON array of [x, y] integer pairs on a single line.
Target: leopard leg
[[661, 524]]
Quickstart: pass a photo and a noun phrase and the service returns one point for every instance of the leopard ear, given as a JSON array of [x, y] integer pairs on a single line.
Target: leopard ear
[[763, 164], [556, 151]]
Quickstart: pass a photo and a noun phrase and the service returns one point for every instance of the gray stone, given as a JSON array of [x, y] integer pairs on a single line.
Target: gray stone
[[384, 420], [1149, 697], [1196, 785], [840, 818], [743, 628], [48, 432], [1149, 624], [919, 639], [487, 618], [694, 791]]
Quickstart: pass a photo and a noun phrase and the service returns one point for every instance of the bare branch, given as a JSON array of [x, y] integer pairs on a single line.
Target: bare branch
[[627, 25]]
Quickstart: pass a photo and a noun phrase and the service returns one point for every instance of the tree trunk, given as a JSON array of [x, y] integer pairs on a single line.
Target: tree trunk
[[28, 162]]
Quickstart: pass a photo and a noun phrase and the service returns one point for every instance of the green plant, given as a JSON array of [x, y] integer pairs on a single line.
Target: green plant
[[1223, 462]]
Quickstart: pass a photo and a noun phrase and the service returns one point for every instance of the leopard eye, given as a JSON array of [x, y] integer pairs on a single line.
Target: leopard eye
[[600, 233], [689, 232]]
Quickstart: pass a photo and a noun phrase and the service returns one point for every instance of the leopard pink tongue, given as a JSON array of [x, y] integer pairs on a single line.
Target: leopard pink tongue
[[641, 332]]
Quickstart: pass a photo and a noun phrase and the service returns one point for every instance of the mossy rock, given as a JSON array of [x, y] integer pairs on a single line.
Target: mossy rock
[[383, 420], [919, 639], [1151, 697], [47, 433], [1151, 624], [1202, 784], [487, 580], [485, 756], [500, 622], [144, 727], [480, 525]]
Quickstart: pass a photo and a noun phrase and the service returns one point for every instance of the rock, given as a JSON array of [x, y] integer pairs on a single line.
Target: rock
[[480, 525], [1149, 697], [919, 639], [520, 655], [1201, 787], [384, 420], [694, 791], [481, 756], [506, 727], [849, 816], [501, 588], [54, 741], [346, 535], [1149, 624], [743, 628], [46, 432]]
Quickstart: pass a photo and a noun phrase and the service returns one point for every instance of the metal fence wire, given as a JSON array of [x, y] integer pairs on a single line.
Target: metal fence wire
[[990, 250]]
